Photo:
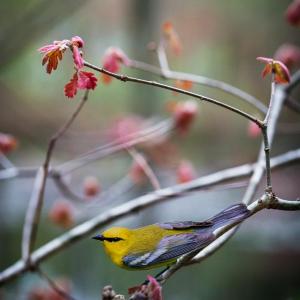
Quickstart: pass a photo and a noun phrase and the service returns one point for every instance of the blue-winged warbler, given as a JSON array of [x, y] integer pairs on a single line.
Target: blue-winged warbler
[[162, 243]]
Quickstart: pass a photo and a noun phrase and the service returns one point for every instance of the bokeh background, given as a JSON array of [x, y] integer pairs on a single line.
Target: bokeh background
[[221, 40]]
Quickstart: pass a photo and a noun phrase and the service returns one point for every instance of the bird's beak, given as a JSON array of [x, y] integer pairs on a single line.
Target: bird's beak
[[99, 237]]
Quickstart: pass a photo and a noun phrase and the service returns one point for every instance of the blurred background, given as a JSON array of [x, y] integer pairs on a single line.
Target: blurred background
[[220, 40]]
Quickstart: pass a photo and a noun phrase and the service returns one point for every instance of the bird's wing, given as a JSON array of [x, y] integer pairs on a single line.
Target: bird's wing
[[169, 248], [185, 225]]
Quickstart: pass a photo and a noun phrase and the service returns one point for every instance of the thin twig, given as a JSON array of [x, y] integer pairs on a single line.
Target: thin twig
[[265, 135], [213, 83], [142, 162], [162, 59], [36, 201], [256, 177], [161, 129], [66, 190], [18, 172], [174, 89], [5, 162], [185, 259], [85, 229], [53, 284], [276, 104]]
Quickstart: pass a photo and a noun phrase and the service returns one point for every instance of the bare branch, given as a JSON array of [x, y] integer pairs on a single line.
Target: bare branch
[[65, 189], [285, 204], [142, 162], [158, 130], [163, 61], [17, 172], [174, 89], [32, 215], [161, 129], [36, 201], [5, 162], [276, 104], [86, 228], [255, 179], [187, 258], [213, 83], [53, 285], [264, 130]]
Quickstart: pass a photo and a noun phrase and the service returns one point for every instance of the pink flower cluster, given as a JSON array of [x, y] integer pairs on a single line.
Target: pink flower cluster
[[53, 53]]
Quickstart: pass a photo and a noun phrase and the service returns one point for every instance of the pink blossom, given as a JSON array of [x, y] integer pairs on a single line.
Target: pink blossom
[[292, 13], [112, 59], [184, 114], [154, 289], [185, 172], [80, 80], [77, 58], [53, 53]]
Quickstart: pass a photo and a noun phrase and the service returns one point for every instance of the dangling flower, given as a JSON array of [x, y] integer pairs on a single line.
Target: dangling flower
[[72, 86], [53, 53], [77, 43], [80, 80], [281, 72], [184, 114], [112, 60]]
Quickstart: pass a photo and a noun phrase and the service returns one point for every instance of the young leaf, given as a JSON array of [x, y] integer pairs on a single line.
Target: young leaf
[[281, 72]]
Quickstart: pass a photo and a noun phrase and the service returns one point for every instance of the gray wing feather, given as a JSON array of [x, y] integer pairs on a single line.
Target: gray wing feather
[[169, 248], [185, 225]]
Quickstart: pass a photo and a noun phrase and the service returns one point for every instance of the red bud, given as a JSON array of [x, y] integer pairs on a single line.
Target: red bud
[[91, 186], [61, 214]]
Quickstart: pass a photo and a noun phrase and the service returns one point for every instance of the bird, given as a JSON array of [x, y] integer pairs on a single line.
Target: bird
[[160, 244]]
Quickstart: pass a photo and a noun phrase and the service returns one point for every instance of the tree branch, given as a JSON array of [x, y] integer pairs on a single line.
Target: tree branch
[[213, 83], [276, 104], [86, 228], [255, 179], [160, 129], [36, 201], [285, 204], [53, 285], [174, 89], [5, 162], [142, 162]]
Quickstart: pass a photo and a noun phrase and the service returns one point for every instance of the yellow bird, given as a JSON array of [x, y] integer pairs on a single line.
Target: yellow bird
[[161, 244]]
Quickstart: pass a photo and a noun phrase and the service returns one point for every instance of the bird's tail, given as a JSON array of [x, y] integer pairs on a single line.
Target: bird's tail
[[230, 216]]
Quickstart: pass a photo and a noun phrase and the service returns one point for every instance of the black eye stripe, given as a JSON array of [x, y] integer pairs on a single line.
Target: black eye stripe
[[113, 240]]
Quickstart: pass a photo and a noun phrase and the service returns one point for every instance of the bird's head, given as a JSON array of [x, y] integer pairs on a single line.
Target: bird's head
[[116, 241]]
